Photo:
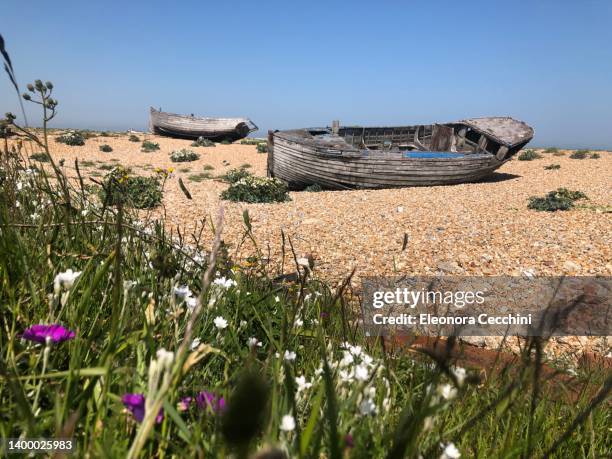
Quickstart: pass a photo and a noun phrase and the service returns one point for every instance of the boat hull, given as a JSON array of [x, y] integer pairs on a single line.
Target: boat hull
[[339, 161], [191, 127]]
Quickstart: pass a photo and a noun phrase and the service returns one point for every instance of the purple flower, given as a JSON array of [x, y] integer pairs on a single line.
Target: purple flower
[[135, 403], [184, 403], [54, 332], [209, 400], [323, 315]]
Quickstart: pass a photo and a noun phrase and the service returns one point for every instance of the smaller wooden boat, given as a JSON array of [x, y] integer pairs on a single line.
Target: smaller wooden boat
[[192, 127], [385, 157]]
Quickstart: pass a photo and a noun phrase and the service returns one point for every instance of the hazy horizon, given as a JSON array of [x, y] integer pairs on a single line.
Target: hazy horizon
[[286, 66]]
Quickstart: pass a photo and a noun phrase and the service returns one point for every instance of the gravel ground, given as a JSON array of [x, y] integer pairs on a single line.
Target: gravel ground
[[474, 229]]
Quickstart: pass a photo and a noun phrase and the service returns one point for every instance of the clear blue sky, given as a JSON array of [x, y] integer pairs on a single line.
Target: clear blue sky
[[285, 64]]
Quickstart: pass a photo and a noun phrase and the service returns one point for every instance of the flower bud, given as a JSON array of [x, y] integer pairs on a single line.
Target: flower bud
[[49, 85], [30, 87], [26, 96], [38, 85]]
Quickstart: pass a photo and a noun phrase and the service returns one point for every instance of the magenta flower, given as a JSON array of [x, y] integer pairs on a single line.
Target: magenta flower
[[135, 403], [54, 332], [209, 400], [348, 441]]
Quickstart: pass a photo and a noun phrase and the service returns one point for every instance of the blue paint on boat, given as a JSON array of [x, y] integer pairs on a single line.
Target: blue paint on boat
[[432, 154]]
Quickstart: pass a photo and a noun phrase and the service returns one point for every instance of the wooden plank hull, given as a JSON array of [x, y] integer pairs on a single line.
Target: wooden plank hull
[[306, 157], [192, 127]]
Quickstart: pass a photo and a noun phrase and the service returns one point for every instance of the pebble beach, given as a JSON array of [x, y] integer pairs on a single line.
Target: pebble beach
[[473, 229]]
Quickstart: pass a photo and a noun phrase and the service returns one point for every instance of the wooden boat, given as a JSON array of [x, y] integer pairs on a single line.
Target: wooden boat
[[385, 157], [192, 127]]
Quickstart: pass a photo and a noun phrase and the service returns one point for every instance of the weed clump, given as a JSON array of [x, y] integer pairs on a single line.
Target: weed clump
[[262, 148], [203, 142], [133, 138], [580, 154], [183, 156], [148, 146], [595, 156], [234, 175], [72, 138], [529, 155], [119, 187], [41, 157], [106, 148], [552, 167], [551, 150], [560, 199], [314, 188], [254, 189], [199, 177]]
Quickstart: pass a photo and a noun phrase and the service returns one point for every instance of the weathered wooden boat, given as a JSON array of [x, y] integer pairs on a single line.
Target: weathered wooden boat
[[384, 157], [192, 127]]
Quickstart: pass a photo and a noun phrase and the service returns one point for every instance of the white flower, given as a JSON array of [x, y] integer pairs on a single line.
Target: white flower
[[183, 292], [460, 374], [253, 342], [19, 186], [302, 384], [225, 283], [276, 299], [450, 452], [347, 359], [287, 423], [289, 356], [65, 280], [447, 391], [299, 323], [165, 358], [361, 373], [367, 407], [195, 344], [220, 322], [191, 302]]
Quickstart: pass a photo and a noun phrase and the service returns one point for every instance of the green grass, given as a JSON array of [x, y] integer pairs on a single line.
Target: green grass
[[184, 170], [528, 155], [551, 167], [208, 167], [200, 177], [271, 350], [106, 167]]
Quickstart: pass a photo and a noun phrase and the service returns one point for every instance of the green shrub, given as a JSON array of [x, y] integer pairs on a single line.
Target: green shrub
[[529, 155], [560, 199], [245, 166], [203, 142], [106, 148], [106, 167], [558, 153], [595, 156], [551, 167], [41, 157], [314, 188], [133, 138], [148, 146], [183, 156], [208, 167], [262, 148], [551, 150], [257, 190], [226, 142], [134, 191], [72, 138], [234, 175], [580, 154]]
